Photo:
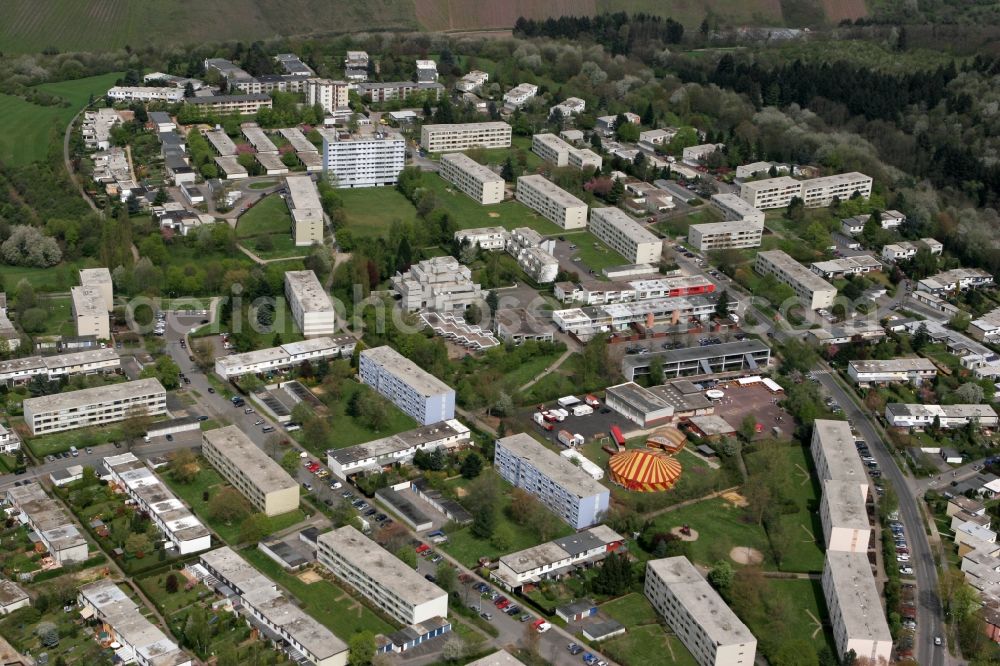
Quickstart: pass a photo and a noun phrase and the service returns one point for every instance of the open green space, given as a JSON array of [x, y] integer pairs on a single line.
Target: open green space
[[60, 316], [632, 610], [806, 599], [648, 645], [678, 226], [372, 210], [57, 278], [349, 430], [27, 130], [58, 442], [263, 184], [324, 600], [720, 525], [592, 253], [155, 587], [470, 214], [270, 222]]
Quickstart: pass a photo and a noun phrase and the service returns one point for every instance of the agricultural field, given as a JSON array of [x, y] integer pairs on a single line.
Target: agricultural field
[[26, 129], [451, 15]]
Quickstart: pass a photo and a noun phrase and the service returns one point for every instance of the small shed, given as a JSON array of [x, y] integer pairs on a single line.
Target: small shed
[[577, 610], [602, 630], [951, 456]]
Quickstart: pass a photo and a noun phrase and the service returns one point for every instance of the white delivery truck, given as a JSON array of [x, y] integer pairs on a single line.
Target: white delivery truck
[[582, 410]]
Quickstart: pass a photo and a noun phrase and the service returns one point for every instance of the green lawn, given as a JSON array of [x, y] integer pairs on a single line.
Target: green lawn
[[284, 324], [592, 253], [648, 645], [26, 129], [632, 610], [720, 527], [155, 587], [269, 218], [806, 597], [678, 226], [372, 210], [61, 441], [348, 430], [525, 372], [57, 278], [470, 214], [324, 600], [60, 320], [263, 184]]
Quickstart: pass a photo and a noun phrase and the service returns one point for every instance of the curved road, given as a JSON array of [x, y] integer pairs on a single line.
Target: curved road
[[69, 167]]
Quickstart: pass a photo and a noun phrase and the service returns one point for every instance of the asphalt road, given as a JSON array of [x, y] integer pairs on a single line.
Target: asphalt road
[[929, 614]]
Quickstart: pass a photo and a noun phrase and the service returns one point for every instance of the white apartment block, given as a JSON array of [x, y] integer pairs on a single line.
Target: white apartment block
[[844, 517], [329, 94], [10, 443], [88, 362], [736, 209], [585, 158], [758, 168], [449, 138], [948, 416], [477, 180], [551, 149], [305, 209], [268, 606], [415, 391], [311, 307], [519, 95], [570, 106], [564, 489], [90, 312], [815, 192], [858, 264], [815, 292], [288, 355], [12, 597], [487, 238], [48, 519], [553, 558], [892, 371], [836, 457], [270, 489], [551, 202], [724, 235], [225, 105], [533, 254], [379, 453], [94, 406], [625, 236], [145, 94], [695, 612], [134, 638], [855, 607], [985, 328], [694, 155], [439, 283], [386, 581], [957, 279], [372, 158], [472, 81], [400, 90], [180, 528]]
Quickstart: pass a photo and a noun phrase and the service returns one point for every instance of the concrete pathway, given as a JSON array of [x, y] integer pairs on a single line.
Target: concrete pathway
[[695, 500], [262, 262], [547, 371]]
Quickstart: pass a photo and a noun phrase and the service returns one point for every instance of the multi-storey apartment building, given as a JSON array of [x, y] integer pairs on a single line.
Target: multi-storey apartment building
[[48, 519], [551, 149], [329, 94], [561, 486], [554, 558], [947, 416], [771, 192], [306, 210], [570, 106], [90, 312], [394, 449], [311, 307], [695, 612], [145, 94], [94, 406], [519, 95], [551, 201], [478, 181], [533, 254], [264, 482], [844, 517], [835, 455], [400, 90], [415, 391], [87, 362], [370, 158], [472, 81], [99, 279], [439, 283], [276, 359], [269, 608], [855, 607], [725, 235], [487, 238], [380, 577], [135, 639], [449, 138], [817, 192], [180, 528], [736, 209], [625, 236], [224, 105], [890, 371], [815, 292]]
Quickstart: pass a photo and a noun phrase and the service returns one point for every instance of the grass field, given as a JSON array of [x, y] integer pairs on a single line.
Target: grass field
[[372, 210], [720, 526], [61, 441], [347, 430], [806, 597], [469, 214], [648, 645], [269, 218], [60, 320], [632, 610], [26, 129], [593, 254], [678, 226]]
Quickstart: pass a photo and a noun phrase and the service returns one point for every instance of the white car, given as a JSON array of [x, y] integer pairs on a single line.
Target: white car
[[902, 557], [906, 571]]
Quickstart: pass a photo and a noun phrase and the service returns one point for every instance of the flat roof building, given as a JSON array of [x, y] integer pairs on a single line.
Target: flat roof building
[[258, 138], [947, 416], [145, 94], [638, 404], [370, 157], [625, 236], [707, 627], [231, 167], [551, 201], [855, 607], [736, 209], [225, 105], [448, 138], [844, 517], [87, 362], [50, 522], [405, 91], [270, 489], [94, 406], [440, 284], [275, 359], [725, 235], [311, 307], [305, 209], [957, 279], [711, 359], [169, 514], [393, 586], [557, 557], [478, 181], [815, 292], [835, 455], [90, 312], [99, 279], [858, 264], [331, 95], [415, 391], [561, 486], [779, 192], [380, 453], [487, 238], [895, 370], [501, 658]]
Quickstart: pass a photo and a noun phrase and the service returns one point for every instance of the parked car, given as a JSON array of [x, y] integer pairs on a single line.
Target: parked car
[[574, 649]]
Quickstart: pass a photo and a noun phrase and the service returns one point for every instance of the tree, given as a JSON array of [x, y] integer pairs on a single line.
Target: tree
[[748, 428], [136, 425], [614, 576], [721, 577], [969, 393], [492, 302], [472, 466], [290, 461], [722, 305], [361, 649], [254, 528], [616, 193], [921, 338], [507, 171], [184, 466], [26, 246], [228, 506], [484, 521], [454, 649], [171, 583], [656, 370], [445, 576], [204, 355], [165, 370], [138, 544]]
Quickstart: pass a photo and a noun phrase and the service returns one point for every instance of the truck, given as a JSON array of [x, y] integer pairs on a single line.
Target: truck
[[559, 414], [582, 410], [592, 400], [568, 400], [566, 438], [539, 418]]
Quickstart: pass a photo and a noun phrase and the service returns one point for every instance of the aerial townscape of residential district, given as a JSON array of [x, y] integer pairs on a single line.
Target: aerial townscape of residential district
[[422, 333]]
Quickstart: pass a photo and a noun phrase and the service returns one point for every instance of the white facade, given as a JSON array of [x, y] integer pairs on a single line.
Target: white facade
[[844, 518], [725, 235], [836, 457], [90, 312], [815, 292], [88, 362], [552, 148], [415, 391], [472, 81], [487, 238], [519, 95], [533, 254], [696, 613], [329, 94], [276, 359], [427, 71], [561, 486], [145, 94], [736, 209], [625, 236], [569, 107], [535, 564], [855, 607], [478, 181], [815, 192], [552, 202], [399, 448], [771, 193], [94, 406], [48, 519], [310, 304], [449, 138], [948, 416], [891, 371], [369, 159], [758, 168], [380, 577], [305, 209], [957, 279], [858, 264], [694, 155], [439, 283]]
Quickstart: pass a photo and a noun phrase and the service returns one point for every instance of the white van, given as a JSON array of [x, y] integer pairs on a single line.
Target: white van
[[73, 452]]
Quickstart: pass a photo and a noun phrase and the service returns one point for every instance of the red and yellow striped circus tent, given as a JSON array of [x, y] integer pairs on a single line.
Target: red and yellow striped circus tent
[[644, 471], [670, 440]]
